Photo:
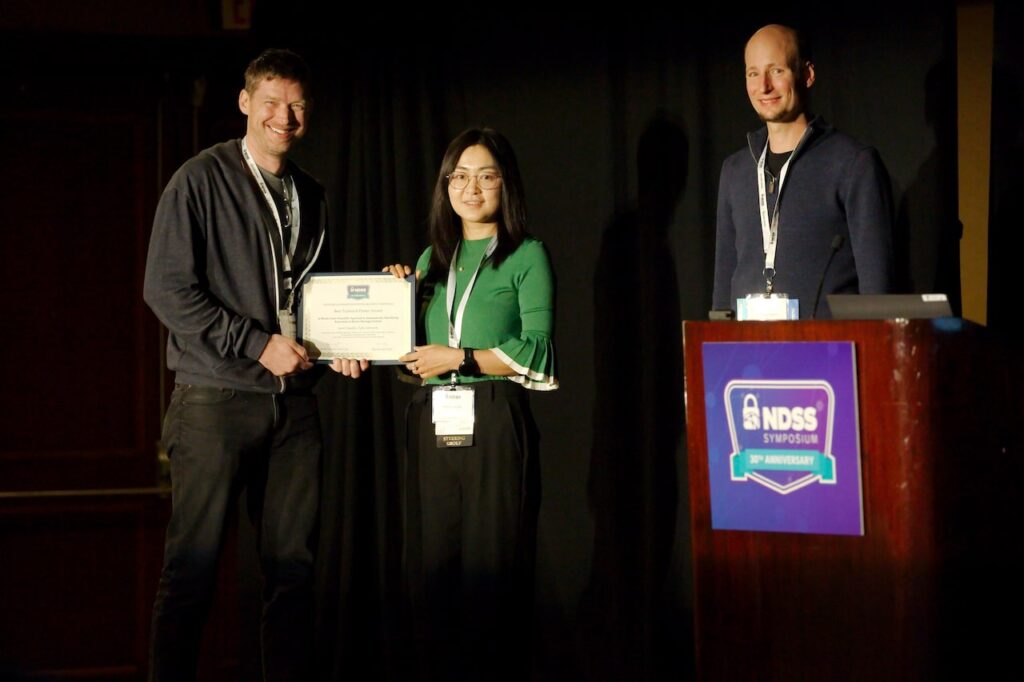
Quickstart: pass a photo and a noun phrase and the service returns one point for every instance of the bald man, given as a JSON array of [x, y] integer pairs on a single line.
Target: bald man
[[800, 191]]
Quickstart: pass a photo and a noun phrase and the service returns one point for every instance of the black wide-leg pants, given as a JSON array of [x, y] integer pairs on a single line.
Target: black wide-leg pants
[[471, 526]]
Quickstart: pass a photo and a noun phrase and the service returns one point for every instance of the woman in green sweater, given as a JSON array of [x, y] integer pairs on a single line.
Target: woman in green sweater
[[473, 483]]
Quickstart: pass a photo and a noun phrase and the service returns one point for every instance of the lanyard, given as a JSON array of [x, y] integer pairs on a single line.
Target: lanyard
[[770, 227], [293, 199], [455, 331]]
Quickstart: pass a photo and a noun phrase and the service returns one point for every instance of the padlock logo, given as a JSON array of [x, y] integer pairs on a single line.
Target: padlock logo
[[751, 414]]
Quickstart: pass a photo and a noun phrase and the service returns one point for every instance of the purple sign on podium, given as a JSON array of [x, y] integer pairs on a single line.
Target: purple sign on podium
[[783, 437]]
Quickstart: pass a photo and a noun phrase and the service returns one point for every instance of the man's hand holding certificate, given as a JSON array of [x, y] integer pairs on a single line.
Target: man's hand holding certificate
[[357, 316]]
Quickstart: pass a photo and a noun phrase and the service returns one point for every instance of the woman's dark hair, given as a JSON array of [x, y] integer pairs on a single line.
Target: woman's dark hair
[[446, 227]]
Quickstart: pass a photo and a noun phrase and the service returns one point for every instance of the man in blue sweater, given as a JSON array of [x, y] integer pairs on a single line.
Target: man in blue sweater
[[800, 191]]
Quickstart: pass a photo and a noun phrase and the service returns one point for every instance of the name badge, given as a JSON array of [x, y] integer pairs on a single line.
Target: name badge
[[767, 307], [453, 416]]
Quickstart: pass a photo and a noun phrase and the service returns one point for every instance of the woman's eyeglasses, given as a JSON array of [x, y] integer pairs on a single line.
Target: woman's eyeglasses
[[460, 180]]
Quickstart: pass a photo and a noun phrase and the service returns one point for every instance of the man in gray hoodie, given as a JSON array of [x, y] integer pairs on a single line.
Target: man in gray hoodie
[[236, 231]]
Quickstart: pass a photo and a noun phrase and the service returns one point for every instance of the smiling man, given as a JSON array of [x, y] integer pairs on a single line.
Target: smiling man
[[802, 199], [236, 231]]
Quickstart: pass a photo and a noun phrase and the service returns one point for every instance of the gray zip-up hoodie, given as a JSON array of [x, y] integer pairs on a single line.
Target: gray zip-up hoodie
[[214, 269]]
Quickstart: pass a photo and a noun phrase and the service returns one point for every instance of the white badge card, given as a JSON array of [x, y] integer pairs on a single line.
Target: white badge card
[[286, 319], [453, 416], [767, 308]]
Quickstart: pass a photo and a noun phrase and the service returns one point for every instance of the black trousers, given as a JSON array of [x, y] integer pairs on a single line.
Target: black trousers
[[219, 441], [471, 527]]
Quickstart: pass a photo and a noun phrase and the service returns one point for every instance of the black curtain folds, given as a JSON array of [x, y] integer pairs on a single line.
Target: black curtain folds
[[1006, 240], [621, 122], [375, 146]]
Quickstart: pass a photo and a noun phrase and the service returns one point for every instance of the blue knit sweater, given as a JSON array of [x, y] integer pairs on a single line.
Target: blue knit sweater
[[834, 186]]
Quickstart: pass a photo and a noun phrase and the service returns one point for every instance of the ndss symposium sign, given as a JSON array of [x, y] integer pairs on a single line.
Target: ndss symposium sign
[[783, 437]]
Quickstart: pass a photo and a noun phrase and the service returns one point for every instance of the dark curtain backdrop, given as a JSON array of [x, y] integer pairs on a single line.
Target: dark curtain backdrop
[[1006, 239], [621, 120]]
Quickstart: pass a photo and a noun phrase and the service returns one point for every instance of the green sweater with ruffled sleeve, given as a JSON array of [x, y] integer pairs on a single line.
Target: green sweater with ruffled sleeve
[[511, 311]]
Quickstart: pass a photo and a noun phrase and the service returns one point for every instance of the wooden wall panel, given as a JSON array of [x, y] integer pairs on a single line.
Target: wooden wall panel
[[75, 582], [91, 128], [80, 404]]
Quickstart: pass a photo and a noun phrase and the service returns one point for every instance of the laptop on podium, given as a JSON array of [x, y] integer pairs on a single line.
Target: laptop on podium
[[888, 306]]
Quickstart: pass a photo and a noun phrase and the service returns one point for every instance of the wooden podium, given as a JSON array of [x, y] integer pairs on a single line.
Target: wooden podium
[[932, 589]]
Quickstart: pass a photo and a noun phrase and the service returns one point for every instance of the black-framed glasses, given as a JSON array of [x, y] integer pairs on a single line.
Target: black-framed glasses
[[485, 180]]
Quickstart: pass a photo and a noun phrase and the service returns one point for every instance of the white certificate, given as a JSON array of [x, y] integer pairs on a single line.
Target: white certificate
[[357, 316]]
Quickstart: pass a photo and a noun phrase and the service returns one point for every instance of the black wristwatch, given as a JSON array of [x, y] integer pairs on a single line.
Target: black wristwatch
[[469, 368]]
